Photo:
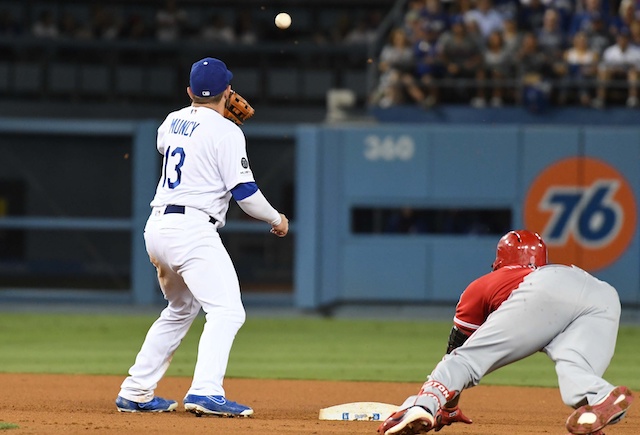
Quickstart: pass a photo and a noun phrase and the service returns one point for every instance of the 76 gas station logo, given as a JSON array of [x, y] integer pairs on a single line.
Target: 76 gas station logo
[[589, 214], [584, 209]]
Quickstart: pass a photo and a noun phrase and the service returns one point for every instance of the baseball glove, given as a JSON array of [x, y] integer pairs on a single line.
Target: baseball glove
[[447, 416], [238, 109]]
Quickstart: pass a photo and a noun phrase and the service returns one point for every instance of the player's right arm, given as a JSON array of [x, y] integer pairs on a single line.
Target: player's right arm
[[469, 313], [251, 200], [456, 339]]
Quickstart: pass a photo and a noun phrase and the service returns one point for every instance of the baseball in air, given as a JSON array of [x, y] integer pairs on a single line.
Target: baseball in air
[[283, 20]]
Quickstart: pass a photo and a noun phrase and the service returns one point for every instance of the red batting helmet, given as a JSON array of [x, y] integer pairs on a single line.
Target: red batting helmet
[[520, 248]]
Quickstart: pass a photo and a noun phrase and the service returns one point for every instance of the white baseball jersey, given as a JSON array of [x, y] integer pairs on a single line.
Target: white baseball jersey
[[205, 156]]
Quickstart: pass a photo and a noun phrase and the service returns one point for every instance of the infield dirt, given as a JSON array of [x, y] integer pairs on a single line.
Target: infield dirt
[[67, 404]]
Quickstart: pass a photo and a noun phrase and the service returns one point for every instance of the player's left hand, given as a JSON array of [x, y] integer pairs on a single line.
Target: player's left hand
[[447, 416]]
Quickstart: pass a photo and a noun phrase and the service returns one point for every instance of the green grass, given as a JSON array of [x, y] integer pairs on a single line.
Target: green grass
[[290, 348], [338, 349], [4, 425]]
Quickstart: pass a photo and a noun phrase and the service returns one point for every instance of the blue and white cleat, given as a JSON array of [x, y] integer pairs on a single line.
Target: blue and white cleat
[[157, 404], [215, 405]]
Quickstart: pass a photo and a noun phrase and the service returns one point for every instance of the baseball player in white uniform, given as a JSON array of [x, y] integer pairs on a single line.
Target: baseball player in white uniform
[[524, 306], [205, 164]]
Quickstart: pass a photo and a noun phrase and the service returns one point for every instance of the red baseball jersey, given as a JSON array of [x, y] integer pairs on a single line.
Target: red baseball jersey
[[484, 295]]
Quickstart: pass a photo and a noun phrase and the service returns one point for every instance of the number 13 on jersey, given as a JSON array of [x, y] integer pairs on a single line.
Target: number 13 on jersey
[[172, 171]]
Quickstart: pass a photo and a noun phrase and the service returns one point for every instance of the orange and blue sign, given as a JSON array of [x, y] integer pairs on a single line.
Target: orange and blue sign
[[584, 209]]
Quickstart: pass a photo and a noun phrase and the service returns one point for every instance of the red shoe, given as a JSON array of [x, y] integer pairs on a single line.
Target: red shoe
[[410, 421], [589, 419], [448, 416]]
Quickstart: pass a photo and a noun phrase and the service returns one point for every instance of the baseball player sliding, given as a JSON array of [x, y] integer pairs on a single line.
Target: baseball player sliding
[[205, 164], [523, 306]]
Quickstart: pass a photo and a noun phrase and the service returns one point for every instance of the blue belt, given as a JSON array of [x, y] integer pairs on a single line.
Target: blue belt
[[171, 208]]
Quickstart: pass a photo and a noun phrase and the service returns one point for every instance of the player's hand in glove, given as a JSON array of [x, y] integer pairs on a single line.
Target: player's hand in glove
[[447, 416], [238, 109]]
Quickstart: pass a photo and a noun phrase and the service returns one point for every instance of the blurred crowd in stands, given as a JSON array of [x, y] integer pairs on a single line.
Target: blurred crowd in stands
[[529, 52], [175, 21], [533, 53]]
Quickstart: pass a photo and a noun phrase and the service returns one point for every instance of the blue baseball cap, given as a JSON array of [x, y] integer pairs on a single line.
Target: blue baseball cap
[[209, 77]]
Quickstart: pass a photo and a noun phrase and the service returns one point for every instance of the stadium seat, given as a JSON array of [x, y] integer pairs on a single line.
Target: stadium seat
[[356, 80], [129, 81], [94, 80], [246, 82], [61, 78], [4, 77], [27, 78], [161, 82], [316, 83], [283, 84]]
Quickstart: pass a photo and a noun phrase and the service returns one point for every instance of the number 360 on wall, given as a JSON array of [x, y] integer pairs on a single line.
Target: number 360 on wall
[[389, 147]]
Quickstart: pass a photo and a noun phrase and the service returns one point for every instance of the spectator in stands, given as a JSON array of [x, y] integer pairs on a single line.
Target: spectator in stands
[[564, 7], [396, 62], [171, 22], [551, 38], [412, 21], [136, 28], [217, 30], [360, 33], [634, 36], [580, 69], [9, 26], [531, 16], [473, 31], [45, 26], [434, 17], [460, 8], [486, 16], [365, 29], [69, 27], [625, 17], [422, 88], [620, 61], [506, 8], [598, 35], [104, 23], [533, 71], [511, 36], [461, 56], [583, 21], [496, 67], [246, 30]]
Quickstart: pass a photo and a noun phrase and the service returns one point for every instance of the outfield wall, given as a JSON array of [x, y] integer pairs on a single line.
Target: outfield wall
[[85, 188], [578, 186]]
